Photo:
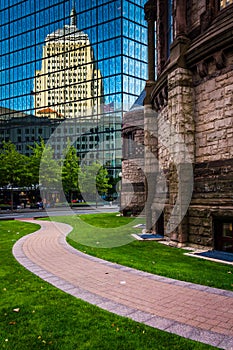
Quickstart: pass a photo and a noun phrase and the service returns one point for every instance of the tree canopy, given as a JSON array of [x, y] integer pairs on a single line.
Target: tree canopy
[[70, 172], [93, 180], [42, 170], [15, 168]]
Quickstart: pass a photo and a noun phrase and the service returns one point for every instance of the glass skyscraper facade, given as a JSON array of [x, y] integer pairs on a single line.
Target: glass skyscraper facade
[[118, 35], [108, 68]]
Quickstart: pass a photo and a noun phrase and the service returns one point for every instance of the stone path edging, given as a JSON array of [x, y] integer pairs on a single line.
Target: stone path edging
[[52, 237]]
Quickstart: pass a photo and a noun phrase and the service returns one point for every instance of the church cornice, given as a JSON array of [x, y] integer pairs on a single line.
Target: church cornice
[[212, 43]]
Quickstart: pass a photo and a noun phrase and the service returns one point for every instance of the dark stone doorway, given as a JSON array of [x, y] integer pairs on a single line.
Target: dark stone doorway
[[160, 225], [223, 234]]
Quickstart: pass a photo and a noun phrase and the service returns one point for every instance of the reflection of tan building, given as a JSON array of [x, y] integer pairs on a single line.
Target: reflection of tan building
[[6, 114], [68, 81], [49, 112], [24, 130]]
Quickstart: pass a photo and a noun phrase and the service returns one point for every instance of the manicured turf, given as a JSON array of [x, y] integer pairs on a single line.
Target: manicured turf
[[35, 315], [148, 256]]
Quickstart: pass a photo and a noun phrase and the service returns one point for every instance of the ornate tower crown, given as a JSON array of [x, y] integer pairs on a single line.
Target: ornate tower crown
[[73, 16]]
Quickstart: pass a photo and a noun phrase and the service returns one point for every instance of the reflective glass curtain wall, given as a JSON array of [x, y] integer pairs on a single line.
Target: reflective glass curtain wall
[[116, 58], [118, 34]]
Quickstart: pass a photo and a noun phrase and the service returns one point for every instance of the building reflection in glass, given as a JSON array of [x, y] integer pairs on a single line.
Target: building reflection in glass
[[45, 74]]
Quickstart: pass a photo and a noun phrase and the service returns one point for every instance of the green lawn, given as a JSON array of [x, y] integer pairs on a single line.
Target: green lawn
[[35, 315], [148, 256]]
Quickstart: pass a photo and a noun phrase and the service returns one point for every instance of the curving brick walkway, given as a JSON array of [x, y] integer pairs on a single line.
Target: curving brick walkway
[[192, 311]]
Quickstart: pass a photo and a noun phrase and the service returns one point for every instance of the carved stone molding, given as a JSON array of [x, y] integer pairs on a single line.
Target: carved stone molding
[[206, 19], [217, 37], [149, 88], [202, 69], [220, 59], [164, 93], [161, 98]]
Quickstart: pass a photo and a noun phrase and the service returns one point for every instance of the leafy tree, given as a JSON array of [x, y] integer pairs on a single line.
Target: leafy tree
[[70, 172], [93, 180], [14, 170], [45, 168], [115, 187], [35, 159]]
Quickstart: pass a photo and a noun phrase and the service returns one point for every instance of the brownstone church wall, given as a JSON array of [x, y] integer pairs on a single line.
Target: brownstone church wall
[[212, 199], [214, 117], [192, 101], [133, 180], [213, 170]]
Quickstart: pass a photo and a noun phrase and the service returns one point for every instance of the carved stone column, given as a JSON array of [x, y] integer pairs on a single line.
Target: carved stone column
[[213, 6], [162, 37], [180, 25], [181, 42], [182, 152], [150, 162], [150, 121], [210, 12], [150, 9]]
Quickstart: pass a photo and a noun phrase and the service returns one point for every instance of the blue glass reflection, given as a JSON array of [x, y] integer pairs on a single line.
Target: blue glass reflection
[[25, 25]]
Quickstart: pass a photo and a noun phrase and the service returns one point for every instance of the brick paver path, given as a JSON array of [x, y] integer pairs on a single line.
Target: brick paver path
[[192, 311]]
